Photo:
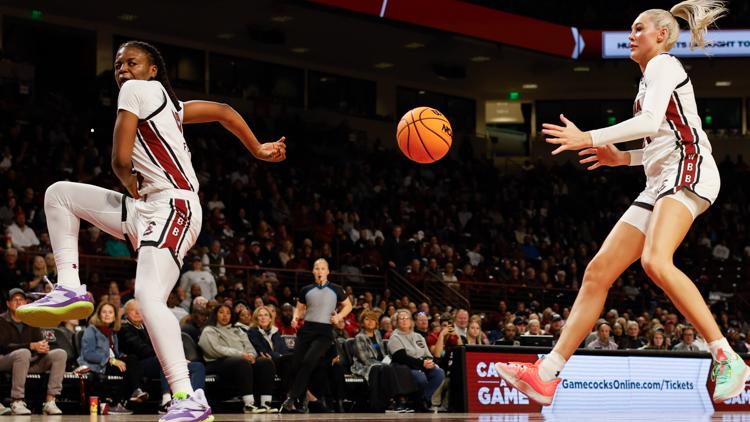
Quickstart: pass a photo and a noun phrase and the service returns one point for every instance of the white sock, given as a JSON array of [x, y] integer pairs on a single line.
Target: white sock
[[248, 399], [165, 398], [266, 399], [722, 344], [551, 365]]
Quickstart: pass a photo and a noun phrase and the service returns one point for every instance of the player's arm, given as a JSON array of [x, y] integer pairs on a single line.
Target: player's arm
[[209, 111], [662, 75], [126, 126]]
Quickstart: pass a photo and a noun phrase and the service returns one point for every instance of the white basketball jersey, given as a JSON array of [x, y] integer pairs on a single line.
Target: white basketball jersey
[[680, 126], [161, 157], [665, 117]]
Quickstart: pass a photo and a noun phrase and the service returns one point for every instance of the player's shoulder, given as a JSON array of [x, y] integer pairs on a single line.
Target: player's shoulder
[[141, 87], [664, 61]]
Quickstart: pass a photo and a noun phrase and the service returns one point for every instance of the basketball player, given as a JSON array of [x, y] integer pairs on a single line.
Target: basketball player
[[161, 219], [682, 182], [317, 302]]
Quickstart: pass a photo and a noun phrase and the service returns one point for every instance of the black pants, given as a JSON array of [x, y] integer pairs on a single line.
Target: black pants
[[133, 378], [313, 341], [328, 381], [246, 378]]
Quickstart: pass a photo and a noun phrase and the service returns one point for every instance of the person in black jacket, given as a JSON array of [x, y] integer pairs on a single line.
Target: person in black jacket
[[24, 350], [135, 341]]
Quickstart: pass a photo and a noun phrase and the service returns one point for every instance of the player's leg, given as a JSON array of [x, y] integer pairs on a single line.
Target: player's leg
[[621, 248], [671, 220], [65, 204], [155, 277]]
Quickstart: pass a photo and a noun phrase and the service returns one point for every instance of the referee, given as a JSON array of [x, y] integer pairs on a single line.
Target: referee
[[317, 302]]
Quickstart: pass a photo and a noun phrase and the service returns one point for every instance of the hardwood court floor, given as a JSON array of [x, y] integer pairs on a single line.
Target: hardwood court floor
[[415, 417]]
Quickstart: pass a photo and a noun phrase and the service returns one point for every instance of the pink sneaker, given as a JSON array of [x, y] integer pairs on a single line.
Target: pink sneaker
[[525, 377]]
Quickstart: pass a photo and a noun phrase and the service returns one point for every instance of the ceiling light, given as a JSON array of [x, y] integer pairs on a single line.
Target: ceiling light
[[383, 65], [581, 69], [421, 92], [127, 17], [414, 45], [480, 59], [529, 86], [723, 83], [281, 18], [225, 36], [300, 50]]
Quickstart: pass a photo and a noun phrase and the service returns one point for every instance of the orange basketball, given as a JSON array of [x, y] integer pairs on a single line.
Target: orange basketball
[[424, 135]]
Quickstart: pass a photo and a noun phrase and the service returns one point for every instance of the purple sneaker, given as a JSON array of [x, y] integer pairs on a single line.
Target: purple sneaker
[[61, 304], [188, 409]]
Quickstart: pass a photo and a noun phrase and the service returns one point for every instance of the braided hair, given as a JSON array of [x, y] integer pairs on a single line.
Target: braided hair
[[161, 67]]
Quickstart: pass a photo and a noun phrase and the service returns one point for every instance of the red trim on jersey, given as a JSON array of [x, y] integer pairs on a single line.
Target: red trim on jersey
[[689, 161], [162, 156], [177, 226]]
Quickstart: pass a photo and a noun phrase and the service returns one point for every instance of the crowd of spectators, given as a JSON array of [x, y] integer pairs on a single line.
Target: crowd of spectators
[[368, 210]]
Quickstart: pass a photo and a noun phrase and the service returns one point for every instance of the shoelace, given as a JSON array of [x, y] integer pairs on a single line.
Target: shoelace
[[722, 371]]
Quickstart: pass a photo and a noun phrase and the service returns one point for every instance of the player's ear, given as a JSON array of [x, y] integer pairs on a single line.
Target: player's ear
[[153, 70]]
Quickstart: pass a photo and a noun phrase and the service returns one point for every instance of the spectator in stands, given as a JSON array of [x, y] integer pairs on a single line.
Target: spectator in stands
[[24, 350], [229, 354], [386, 326], [284, 322], [688, 343], [462, 322], [100, 352], [633, 340], [510, 335], [474, 334], [409, 348], [385, 381], [198, 276], [11, 274], [173, 303], [39, 281], [422, 324], [618, 334], [265, 336], [22, 236], [534, 328], [555, 326], [395, 249], [736, 339], [603, 340], [135, 341], [446, 336], [657, 340], [193, 325]]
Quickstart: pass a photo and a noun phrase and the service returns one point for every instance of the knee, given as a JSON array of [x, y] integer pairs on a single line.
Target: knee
[[438, 374], [21, 355], [54, 193], [58, 355], [655, 267], [596, 275]]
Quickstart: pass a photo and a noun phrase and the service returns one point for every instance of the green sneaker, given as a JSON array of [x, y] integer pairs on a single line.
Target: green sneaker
[[730, 375]]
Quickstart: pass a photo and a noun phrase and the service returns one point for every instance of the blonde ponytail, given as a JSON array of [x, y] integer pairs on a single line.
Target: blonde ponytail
[[699, 14]]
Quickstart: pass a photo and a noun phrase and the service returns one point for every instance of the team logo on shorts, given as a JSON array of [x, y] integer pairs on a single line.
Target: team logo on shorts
[[149, 229]]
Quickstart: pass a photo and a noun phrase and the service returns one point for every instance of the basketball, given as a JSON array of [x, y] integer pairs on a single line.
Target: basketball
[[424, 135]]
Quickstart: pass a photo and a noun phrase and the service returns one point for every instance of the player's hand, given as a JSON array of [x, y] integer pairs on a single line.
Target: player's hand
[[272, 151], [568, 137], [607, 155]]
